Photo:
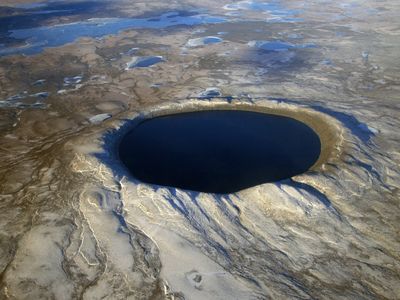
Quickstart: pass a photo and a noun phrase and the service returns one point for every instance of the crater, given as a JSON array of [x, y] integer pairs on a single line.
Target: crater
[[219, 151]]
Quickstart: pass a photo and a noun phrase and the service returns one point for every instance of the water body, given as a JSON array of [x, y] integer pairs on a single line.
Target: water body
[[204, 41], [212, 40], [273, 6], [37, 38], [144, 62], [218, 151], [24, 33], [274, 9], [31, 15]]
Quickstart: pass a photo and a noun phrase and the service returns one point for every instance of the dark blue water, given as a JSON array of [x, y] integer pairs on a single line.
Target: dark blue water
[[34, 14], [33, 38], [218, 151]]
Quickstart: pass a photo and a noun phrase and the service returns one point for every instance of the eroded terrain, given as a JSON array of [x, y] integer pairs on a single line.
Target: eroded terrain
[[74, 224]]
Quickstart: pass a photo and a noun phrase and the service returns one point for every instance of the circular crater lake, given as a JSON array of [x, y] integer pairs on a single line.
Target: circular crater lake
[[218, 151]]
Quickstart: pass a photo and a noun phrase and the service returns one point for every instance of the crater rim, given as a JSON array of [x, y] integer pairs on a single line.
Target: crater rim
[[327, 128]]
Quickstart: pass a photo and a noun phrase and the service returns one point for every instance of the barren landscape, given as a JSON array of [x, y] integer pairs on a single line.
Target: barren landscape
[[76, 76]]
